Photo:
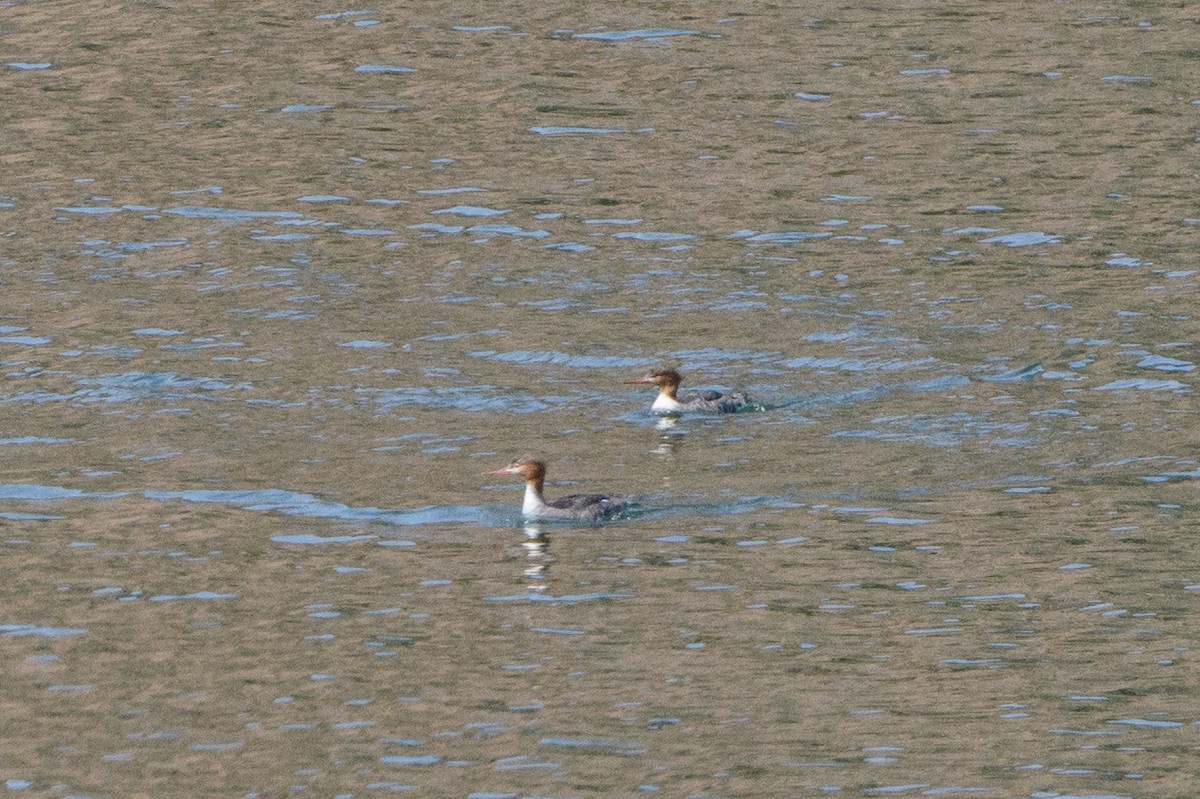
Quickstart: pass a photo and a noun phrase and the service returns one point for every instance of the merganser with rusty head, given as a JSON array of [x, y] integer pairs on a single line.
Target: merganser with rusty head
[[669, 401], [582, 507]]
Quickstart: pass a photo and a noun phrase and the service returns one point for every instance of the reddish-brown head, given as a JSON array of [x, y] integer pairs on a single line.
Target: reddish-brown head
[[528, 466], [661, 377]]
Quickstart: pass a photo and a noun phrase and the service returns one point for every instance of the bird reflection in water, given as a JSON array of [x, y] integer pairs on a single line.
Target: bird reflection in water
[[665, 424], [537, 550], [670, 438]]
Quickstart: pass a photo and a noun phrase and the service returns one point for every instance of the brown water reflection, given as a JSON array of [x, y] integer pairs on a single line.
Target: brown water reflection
[[281, 282]]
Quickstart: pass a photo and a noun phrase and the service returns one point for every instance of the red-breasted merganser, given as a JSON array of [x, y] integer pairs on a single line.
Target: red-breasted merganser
[[584, 507], [668, 401]]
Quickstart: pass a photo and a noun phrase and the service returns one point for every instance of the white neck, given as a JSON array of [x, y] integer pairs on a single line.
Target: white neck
[[664, 403], [534, 502]]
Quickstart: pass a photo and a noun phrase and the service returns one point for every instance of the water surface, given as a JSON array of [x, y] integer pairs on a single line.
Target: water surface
[[271, 313]]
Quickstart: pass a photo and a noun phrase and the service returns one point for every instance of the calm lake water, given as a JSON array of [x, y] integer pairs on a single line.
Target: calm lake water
[[280, 284]]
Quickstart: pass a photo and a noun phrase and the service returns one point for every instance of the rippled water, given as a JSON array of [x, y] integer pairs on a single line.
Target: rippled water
[[282, 283]]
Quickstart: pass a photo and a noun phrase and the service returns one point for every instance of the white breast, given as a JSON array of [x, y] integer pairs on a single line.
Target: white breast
[[664, 404], [533, 505]]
